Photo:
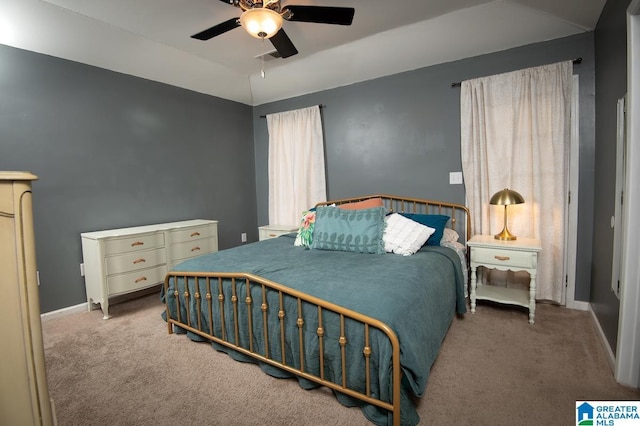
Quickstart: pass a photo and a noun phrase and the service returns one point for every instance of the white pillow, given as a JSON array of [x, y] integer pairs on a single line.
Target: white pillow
[[404, 236]]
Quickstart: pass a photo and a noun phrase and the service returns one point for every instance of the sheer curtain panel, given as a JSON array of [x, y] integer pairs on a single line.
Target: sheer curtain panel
[[515, 133], [296, 164]]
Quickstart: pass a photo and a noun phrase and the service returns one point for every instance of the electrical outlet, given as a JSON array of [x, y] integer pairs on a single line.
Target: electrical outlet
[[243, 237], [82, 269]]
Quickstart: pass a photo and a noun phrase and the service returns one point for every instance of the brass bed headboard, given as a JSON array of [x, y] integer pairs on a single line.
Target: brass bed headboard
[[459, 214]]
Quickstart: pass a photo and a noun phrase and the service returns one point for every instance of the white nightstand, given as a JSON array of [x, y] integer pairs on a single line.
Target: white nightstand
[[516, 255], [272, 231]]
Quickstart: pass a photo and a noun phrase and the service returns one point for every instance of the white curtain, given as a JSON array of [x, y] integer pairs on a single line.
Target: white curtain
[[296, 164], [515, 133]]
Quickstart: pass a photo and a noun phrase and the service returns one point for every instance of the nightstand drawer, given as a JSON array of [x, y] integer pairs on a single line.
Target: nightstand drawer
[[504, 258], [274, 231]]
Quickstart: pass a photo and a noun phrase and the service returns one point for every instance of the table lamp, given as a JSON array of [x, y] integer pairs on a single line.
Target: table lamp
[[504, 198]]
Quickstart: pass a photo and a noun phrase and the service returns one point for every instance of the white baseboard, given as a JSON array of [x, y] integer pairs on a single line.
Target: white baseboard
[[580, 306], [603, 338], [82, 307]]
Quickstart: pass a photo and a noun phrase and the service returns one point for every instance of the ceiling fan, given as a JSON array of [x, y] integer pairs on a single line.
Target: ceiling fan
[[263, 19]]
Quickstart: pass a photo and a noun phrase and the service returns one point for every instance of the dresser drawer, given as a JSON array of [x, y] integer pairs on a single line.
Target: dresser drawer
[[136, 280], [135, 261], [136, 242], [189, 234], [189, 249], [505, 258]]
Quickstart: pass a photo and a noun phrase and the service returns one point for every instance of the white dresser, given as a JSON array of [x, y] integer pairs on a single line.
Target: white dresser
[[125, 260], [24, 392]]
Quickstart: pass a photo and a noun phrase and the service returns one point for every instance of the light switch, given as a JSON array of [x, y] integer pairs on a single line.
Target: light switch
[[455, 178]]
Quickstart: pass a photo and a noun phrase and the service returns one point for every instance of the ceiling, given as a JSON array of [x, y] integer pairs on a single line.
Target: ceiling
[[151, 39]]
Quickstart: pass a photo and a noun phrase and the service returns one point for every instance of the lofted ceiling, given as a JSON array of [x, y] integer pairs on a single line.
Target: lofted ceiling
[[151, 39]]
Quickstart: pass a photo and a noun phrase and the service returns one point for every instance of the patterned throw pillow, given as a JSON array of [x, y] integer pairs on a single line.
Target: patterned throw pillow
[[305, 232], [449, 236], [359, 231]]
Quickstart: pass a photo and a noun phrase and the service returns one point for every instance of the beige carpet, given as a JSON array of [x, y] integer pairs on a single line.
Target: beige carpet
[[493, 369]]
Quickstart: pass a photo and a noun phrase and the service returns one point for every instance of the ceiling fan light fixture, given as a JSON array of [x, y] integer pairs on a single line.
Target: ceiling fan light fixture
[[261, 22]]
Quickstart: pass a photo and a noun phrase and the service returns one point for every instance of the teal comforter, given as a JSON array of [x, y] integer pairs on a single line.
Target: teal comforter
[[417, 296]]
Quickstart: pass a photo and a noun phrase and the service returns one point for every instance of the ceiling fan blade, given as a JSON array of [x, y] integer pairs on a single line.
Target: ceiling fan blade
[[217, 29], [283, 44], [321, 14]]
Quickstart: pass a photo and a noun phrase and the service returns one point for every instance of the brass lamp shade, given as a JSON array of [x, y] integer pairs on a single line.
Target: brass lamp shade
[[504, 198]]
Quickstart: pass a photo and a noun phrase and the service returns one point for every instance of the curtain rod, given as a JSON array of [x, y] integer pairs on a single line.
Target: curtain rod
[[576, 61], [319, 106]]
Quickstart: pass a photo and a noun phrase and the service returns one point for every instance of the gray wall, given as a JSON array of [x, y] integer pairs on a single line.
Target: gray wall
[[611, 84], [105, 146], [112, 150], [401, 134]]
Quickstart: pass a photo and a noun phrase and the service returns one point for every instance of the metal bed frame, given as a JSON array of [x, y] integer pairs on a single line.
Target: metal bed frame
[[213, 302]]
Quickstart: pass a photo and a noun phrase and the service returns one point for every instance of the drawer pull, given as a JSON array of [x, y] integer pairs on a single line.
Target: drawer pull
[[502, 257], [195, 234], [139, 261], [195, 249], [137, 243], [140, 279], [272, 235]]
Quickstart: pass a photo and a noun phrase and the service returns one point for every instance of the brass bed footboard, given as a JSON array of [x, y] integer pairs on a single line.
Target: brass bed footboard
[[202, 307]]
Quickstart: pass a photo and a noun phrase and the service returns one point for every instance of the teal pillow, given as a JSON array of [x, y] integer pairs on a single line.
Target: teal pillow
[[435, 221], [358, 231]]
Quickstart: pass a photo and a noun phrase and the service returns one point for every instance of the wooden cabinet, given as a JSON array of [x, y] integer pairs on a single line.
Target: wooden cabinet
[[516, 255], [125, 260], [274, 231], [24, 393]]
